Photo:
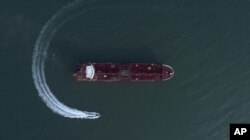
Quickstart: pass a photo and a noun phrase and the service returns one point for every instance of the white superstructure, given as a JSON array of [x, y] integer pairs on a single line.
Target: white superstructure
[[90, 71]]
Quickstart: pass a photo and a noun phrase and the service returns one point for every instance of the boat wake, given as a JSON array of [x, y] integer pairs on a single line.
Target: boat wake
[[38, 66]]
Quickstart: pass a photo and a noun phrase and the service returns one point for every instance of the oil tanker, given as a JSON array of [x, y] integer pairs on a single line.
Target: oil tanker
[[122, 72]]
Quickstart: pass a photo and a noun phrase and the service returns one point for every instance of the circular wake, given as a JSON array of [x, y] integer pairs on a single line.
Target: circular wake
[[38, 65]]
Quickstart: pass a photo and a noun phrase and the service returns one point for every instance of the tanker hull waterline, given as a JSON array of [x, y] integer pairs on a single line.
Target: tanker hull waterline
[[122, 72]]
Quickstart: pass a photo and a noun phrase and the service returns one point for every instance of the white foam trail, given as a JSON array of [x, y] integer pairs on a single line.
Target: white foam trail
[[38, 65]]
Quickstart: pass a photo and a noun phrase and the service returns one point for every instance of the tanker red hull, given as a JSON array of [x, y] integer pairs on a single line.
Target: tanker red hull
[[122, 72]]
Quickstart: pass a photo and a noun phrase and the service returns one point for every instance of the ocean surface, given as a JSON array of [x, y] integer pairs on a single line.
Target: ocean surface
[[206, 42]]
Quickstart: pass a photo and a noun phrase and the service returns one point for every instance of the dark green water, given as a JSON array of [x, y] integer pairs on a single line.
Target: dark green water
[[206, 42]]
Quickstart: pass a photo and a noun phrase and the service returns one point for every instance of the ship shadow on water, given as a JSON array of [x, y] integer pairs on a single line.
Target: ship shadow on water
[[70, 54]]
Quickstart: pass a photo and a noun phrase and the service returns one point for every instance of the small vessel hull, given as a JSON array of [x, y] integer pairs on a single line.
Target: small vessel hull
[[122, 72]]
